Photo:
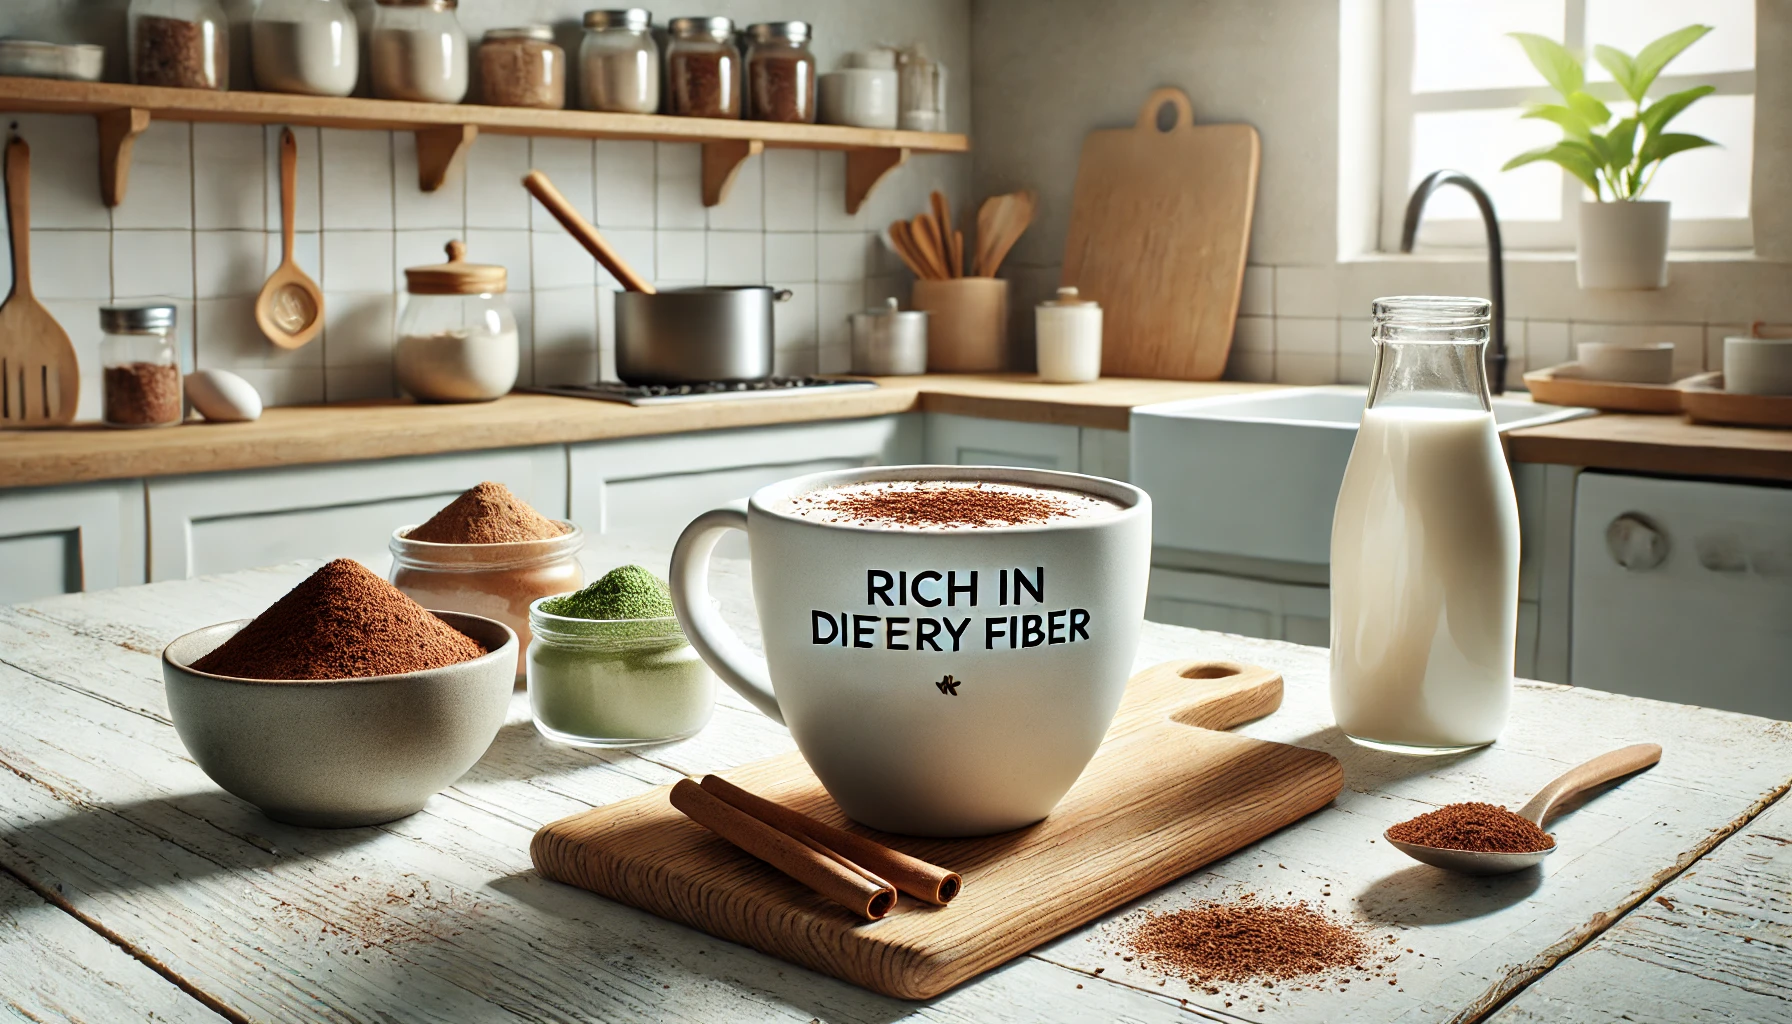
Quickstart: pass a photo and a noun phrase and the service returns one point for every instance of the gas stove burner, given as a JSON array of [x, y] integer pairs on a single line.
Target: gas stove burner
[[710, 391]]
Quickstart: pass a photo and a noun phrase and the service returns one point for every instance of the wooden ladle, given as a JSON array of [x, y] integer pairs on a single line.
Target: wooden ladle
[[563, 211], [1574, 781], [40, 379], [290, 308]]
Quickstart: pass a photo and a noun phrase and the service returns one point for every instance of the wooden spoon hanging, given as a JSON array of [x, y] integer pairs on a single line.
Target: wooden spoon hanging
[[290, 308], [40, 379], [550, 198]]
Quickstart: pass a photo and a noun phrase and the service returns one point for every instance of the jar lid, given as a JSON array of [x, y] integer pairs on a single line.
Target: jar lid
[[720, 28], [455, 277], [1067, 296], [779, 31], [440, 5], [635, 18], [136, 317], [539, 32]]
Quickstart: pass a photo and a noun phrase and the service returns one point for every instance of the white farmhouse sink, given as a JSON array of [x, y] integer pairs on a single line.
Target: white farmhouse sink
[[1257, 475]]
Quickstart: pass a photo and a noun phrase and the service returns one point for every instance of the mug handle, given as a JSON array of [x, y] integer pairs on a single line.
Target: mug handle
[[697, 615]]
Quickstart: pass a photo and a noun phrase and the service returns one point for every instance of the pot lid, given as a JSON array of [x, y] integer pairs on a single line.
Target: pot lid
[[891, 308], [455, 277], [1068, 296]]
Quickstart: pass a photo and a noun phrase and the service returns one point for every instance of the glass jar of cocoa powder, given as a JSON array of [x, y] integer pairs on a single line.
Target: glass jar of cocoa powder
[[780, 72], [522, 67], [702, 68], [141, 371], [499, 581], [179, 44]]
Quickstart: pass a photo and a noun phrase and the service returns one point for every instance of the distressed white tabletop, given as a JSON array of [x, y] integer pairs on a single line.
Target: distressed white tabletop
[[139, 890]]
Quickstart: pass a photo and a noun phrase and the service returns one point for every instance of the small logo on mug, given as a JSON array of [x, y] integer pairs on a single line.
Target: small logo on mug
[[949, 686]]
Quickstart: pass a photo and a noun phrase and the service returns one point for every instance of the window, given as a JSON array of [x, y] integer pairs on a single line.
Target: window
[[1456, 85]]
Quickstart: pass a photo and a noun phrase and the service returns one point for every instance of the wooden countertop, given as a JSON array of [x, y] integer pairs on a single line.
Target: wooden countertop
[[1658, 444], [298, 435]]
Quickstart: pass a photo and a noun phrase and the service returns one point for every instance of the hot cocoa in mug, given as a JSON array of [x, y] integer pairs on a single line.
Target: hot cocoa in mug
[[948, 644]]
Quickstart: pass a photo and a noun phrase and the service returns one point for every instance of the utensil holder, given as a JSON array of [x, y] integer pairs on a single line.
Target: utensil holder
[[967, 323]]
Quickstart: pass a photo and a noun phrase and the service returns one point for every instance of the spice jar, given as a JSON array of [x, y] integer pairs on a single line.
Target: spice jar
[[922, 91], [180, 44], [305, 46], [619, 62], [418, 51], [499, 581], [141, 371], [703, 68], [457, 339], [615, 683], [780, 72], [522, 67]]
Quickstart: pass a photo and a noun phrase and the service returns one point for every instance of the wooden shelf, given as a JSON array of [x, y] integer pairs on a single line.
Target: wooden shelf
[[445, 131]]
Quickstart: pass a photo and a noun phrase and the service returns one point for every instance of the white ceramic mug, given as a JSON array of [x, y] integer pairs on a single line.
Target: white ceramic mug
[[939, 682]]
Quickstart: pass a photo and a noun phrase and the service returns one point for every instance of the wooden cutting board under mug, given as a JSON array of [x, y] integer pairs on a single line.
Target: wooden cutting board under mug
[[1159, 227], [1165, 794]]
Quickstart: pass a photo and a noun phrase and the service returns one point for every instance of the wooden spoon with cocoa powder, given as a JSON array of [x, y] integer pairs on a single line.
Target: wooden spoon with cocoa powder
[[1573, 782]]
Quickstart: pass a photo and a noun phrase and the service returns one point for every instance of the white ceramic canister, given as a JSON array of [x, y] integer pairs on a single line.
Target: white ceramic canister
[[863, 94], [889, 342], [1068, 329]]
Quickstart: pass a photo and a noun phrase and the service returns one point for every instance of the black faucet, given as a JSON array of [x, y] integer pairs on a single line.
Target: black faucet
[[1496, 260]]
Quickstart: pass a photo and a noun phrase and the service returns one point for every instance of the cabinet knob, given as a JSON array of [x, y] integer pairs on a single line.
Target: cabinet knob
[[1636, 543]]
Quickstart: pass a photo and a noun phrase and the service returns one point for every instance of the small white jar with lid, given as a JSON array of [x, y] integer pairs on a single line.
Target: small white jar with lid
[[457, 339], [309, 47], [417, 51], [619, 62], [1068, 329]]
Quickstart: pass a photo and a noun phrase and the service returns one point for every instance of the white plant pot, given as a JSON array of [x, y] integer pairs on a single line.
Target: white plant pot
[[1623, 244]]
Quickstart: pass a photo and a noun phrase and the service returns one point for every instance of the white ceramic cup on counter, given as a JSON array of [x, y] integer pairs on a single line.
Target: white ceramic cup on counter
[[1758, 366], [1068, 333], [1633, 364], [984, 726]]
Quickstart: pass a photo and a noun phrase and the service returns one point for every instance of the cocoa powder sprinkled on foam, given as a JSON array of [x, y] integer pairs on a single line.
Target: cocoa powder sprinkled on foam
[[486, 514], [1250, 940], [946, 505], [1475, 827]]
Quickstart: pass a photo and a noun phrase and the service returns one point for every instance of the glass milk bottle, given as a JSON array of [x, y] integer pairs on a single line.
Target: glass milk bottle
[[1424, 570]]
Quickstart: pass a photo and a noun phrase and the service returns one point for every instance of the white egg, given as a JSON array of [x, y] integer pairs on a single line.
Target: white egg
[[222, 396]]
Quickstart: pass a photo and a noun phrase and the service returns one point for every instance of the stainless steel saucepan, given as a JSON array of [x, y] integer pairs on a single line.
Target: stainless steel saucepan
[[683, 336]]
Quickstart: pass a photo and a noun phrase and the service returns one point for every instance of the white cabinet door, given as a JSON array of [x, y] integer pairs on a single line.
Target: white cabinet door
[[1231, 604], [643, 491], [954, 440], [59, 540], [221, 522], [1683, 592]]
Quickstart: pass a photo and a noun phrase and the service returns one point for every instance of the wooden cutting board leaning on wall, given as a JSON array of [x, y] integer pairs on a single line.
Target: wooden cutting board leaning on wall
[[1159, 225]]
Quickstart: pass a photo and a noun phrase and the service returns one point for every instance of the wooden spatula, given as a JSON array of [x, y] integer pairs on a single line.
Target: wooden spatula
[[1001, 220], [40, 380], [290, 308]]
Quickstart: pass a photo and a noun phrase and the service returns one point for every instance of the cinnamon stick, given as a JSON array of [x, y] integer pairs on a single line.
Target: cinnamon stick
[[804, 860], [912, 875]]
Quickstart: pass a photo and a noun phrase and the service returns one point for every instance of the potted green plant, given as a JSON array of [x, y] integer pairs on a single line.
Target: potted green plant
[[1623, 237]]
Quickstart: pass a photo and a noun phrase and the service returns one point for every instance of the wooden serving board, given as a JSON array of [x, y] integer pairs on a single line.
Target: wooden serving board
[[1159, 225], [1165, 794], [1704, 400], [1560, 385]]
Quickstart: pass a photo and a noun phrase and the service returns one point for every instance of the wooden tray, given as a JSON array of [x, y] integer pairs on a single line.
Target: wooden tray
[[1164, 795], [1557, 385], [1704, 400]]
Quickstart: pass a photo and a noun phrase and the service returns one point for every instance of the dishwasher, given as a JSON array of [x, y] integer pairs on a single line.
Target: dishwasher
[[1683, 591]]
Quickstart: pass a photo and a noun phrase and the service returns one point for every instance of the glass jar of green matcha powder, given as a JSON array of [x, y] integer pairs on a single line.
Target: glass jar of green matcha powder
[[609, 666]]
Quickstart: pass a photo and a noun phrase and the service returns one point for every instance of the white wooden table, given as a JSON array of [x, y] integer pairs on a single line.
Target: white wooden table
[[135, 889]]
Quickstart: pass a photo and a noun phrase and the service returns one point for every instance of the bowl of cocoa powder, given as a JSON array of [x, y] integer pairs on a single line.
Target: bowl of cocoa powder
[[345, 703]]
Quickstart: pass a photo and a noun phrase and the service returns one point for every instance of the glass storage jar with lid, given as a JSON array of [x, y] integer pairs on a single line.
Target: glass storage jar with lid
[[180, 44], [619, 62], [418, 51], [309, 47], [522, 67], [141, 382], [703, 68], [780, 72], [457, 339]]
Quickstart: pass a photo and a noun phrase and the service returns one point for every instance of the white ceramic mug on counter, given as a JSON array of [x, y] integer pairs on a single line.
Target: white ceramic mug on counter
[[940, 682]]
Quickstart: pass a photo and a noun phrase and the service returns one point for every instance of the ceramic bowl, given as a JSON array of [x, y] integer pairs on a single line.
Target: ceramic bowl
[[339, 753], [1758, 366], [1634, 364]]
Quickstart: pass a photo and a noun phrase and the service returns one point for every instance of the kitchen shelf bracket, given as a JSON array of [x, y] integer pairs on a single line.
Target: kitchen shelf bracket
[[865, 168], [118, 135], [438, 148], [721, 163]]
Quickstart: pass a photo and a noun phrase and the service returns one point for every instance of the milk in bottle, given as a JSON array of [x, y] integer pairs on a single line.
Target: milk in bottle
[[1424, 560]]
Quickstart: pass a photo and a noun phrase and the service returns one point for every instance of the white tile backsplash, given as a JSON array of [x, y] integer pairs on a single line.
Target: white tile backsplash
[[1545, 343], [493, 188], [505, 248], [230, 176], [357, 261], [227, 263], [790, 189], [307, 252], [1258, 297], [678, 193], [1305, 368], [679, 256], [830, 196], [1307, 336], [842, 256], [626, 184], [636, 247], [357, 179], [71, 264], [835, 302], [743, 209], [412, 207], [1254, 334], [557, 261], [568, 164], [153, 263], [160, 191], [65, 153], [358, 328], [307, 191], [735, 257], [226, 337]]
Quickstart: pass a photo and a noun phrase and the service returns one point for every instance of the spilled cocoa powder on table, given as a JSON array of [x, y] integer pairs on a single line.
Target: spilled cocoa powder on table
[[1251, 940], [342, 622], [1474, 827], [488, 513]]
